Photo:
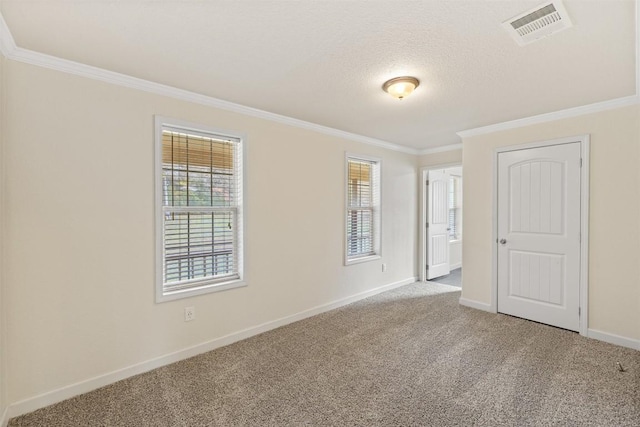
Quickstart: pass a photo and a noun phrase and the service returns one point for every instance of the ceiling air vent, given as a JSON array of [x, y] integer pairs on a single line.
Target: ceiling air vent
[[540, 22]]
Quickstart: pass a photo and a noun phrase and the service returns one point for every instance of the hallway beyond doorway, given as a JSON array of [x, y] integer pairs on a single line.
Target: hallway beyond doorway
[[453, 279]]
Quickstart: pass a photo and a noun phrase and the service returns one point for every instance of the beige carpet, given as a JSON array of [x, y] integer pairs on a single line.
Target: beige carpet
[[408, 357]]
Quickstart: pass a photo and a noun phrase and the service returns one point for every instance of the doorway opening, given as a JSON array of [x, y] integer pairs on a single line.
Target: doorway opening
[[441, 225]]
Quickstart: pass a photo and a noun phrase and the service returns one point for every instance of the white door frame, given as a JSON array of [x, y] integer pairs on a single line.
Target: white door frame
[[584, 222], [422, 240]]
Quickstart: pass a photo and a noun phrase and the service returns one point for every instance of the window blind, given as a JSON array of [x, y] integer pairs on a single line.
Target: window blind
[[455, 211], [362, 207], [452, 208], [201, 195]]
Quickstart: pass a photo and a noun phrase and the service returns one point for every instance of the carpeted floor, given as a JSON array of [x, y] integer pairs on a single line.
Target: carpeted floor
[[408, 357]]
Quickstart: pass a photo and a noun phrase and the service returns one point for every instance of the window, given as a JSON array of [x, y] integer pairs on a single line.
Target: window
[[199, 205], [455, 207], [363, 209]]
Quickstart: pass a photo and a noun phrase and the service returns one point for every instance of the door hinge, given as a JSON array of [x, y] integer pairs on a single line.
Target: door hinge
[[580, 161], [427, 225], [427, 267], [579, 311], [427, 183]]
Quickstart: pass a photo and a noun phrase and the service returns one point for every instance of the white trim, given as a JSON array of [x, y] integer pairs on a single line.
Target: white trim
[[585, 150], [476, 304], [584, 141], [9, 49], [71, 67], [60, 394], [455, 266], [556, 115], [158, 121], [422, 214], [205, 286], [376, 207], [614, 339], [440, 149], [4, 419], [7, 44], [569, 112], [362, 259], [591, 333], [494, 235]]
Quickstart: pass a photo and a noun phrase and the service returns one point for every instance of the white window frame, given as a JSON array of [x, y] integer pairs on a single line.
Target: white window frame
[[455, 186], [376, 193], [195, 287]]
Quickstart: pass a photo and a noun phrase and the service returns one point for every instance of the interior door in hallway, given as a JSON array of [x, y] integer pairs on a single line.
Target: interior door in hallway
[[539, 234], [437, 224]]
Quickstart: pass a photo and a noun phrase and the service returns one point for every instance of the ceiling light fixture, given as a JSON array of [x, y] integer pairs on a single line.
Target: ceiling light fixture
[[400, 87]]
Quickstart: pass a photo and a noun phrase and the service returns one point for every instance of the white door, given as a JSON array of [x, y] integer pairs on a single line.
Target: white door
[[437, 224], [539, 234]]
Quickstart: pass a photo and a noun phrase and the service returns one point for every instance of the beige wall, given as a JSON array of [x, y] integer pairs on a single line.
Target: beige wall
[[614, 229], [80, 237], [3, 347], [455, 254], [443, 158], [77, 287]]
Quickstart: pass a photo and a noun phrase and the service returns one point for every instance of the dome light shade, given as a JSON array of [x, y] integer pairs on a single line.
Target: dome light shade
[[400, 87]]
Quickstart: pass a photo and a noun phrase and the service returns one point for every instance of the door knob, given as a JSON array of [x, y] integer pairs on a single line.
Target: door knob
[[503, 241]]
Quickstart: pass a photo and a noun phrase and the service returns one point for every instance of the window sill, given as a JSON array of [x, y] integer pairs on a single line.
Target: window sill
[[362, 259], [200, 290]]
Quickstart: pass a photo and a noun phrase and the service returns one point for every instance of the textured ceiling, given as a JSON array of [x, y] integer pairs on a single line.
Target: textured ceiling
[[325, 61]]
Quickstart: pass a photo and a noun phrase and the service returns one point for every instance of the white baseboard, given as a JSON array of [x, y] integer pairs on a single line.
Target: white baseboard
[[476, 304], [4, 419], [63, 393], [455, 266], [614, 339], [592, 333]]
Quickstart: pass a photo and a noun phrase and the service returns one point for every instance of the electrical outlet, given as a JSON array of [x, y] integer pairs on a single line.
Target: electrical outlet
[[189, 314], [384, 267]]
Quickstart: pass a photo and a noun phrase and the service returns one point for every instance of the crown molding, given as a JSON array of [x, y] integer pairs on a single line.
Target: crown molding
[[7, 44], [440, 149], [88, 71], [569, 112], [556, 115], [11, 51]]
